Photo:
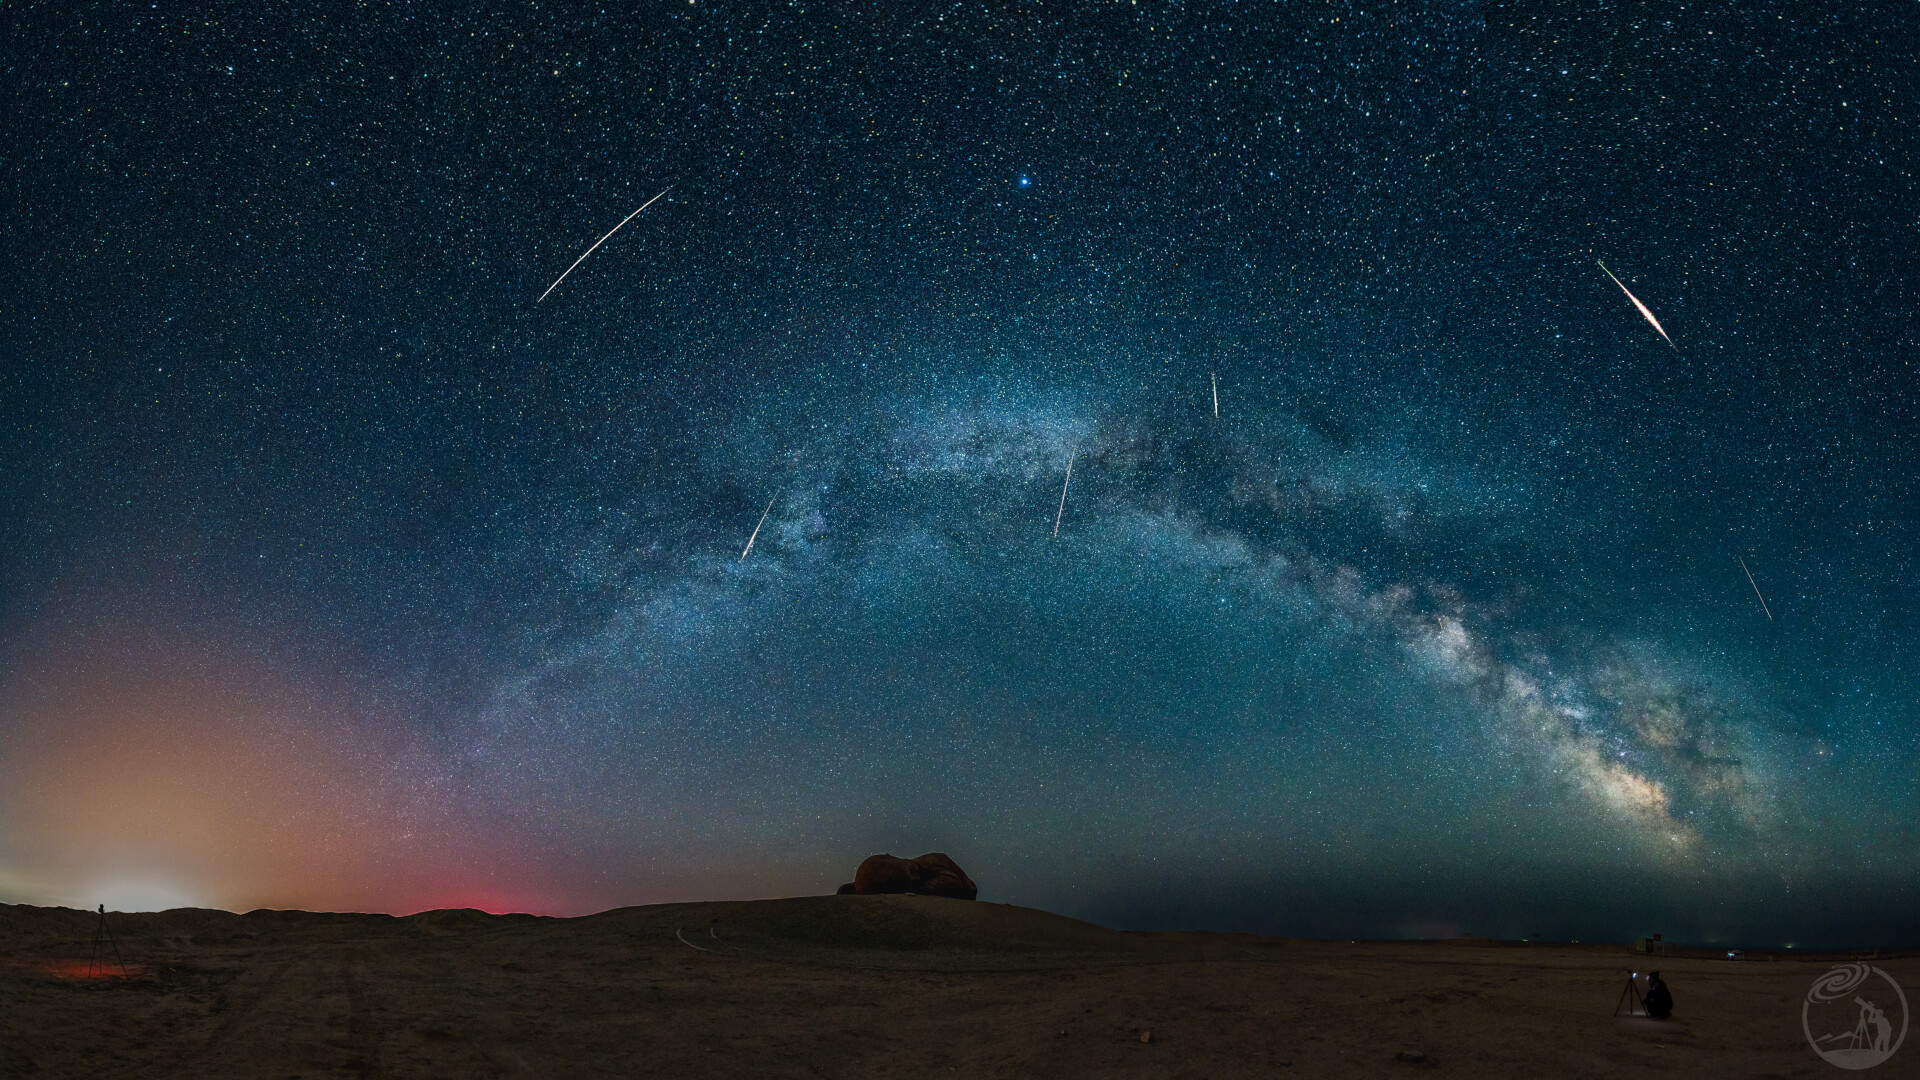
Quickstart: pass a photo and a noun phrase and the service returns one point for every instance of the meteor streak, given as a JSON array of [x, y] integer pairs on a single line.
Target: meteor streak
[[1756, 588], [615, 229], [1063, 494], [1638, 304], [1216, 394], [756, 527]]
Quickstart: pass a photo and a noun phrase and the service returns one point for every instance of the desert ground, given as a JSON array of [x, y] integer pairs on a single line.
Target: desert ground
[[857, 986]]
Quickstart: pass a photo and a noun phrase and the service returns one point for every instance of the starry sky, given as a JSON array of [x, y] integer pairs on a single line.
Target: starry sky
[[337, 570]]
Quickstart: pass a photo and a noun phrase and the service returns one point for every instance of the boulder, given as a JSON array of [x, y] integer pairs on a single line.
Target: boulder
[[932, 874]]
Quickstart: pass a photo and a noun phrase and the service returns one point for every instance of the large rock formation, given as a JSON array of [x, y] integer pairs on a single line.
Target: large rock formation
[[932, 874]]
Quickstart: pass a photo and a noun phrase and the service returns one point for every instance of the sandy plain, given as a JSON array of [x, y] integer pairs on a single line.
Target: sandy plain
[[856, 986]]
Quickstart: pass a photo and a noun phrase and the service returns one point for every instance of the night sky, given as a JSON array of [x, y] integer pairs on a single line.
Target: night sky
[[336, 572]]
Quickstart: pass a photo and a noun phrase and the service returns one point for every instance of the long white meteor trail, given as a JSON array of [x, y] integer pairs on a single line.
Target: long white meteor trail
[[610, 232], [1216, 394], [1057, 514], [756, 527], [1756, 588], [1638, 304]]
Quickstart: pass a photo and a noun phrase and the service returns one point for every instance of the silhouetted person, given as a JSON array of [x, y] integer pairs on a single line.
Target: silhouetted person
[[1659, 1000], [1874, 1017]]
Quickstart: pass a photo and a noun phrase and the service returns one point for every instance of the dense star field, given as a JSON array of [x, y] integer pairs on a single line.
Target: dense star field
[[338, 572]]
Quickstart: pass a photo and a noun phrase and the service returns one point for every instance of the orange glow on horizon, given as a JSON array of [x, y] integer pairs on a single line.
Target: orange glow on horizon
[[130, 761]]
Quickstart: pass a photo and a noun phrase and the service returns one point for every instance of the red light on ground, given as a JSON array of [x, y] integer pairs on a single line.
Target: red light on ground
[[83, 971]]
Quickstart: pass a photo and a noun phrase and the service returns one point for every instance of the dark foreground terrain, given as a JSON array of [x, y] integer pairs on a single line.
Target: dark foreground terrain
[[855, 986]]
